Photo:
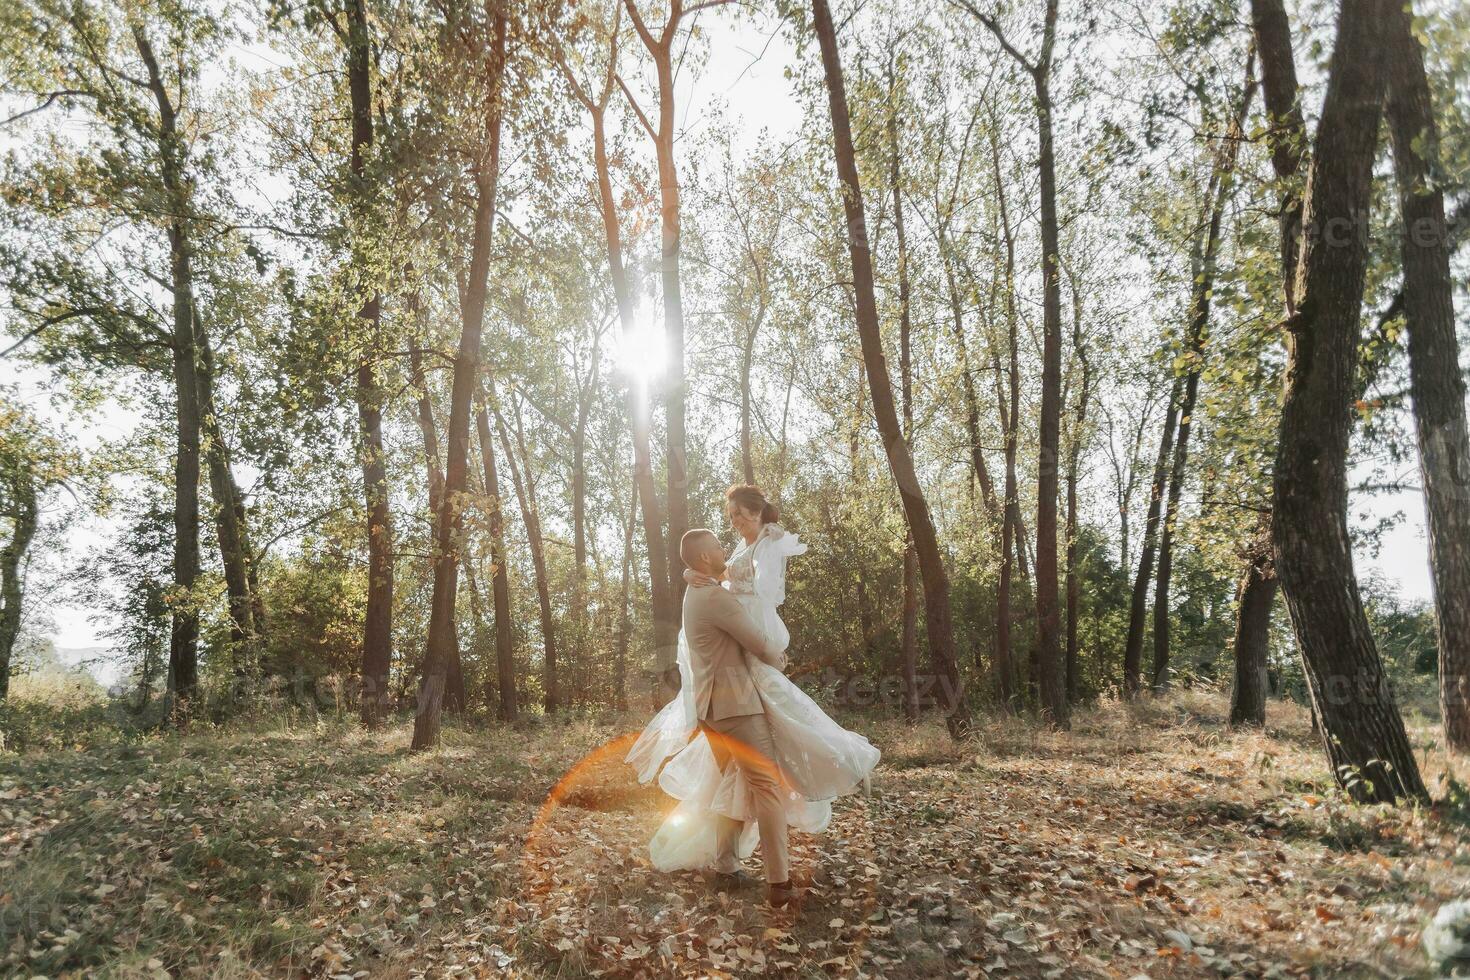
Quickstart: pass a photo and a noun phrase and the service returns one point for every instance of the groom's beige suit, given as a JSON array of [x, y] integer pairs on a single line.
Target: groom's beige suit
[[719, 632]]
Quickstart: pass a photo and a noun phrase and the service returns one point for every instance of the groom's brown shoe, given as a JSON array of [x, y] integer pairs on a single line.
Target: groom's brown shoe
[[784, 894], [726, 881]]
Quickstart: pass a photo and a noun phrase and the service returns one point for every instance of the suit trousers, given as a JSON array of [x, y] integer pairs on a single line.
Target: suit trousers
[[746, 741]]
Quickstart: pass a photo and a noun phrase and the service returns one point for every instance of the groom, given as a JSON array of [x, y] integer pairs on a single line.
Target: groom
[[719, 631]]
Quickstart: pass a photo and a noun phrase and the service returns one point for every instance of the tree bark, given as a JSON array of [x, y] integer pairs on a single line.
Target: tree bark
[[1138, 605], [1287, 135], [856, 476], [525, 489], [909, 645], [1008, 403], [183, 656], [1079, 423], [661, 594], [662, 51], [1054, 705], [228, 516], [505, 666], [377, 637], [1217, 197], [1256, 596], [24, 512], [916, 508], [1436, 384], [442, 640], [454, 691], [1362, 731], [625, 624]]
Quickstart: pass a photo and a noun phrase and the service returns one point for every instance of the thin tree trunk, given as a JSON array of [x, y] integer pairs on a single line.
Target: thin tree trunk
[[1138, 605], [661, 594], [972, 405], [1362, 731], [433, 471], [916, 508], [909, 649], [1054, 704], [505, 666], [377, 637], [1287, 139], [1256, 595], [662, 51], [442, 641], [856, 476], [586, 397], [1008, 403], [455, 695], [183, 657], [1217, 197], [24, 514], [525, 489], [228, 511], [625, 625], [747, 360], [1437, 386], [1074, 587]]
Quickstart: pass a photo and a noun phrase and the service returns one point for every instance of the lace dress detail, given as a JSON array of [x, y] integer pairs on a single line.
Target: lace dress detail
[[740, 569]]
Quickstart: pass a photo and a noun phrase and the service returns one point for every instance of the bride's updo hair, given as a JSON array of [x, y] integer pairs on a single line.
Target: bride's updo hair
[[753, 499]]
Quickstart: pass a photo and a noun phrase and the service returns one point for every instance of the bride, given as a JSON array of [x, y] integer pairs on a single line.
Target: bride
[[818, 759]]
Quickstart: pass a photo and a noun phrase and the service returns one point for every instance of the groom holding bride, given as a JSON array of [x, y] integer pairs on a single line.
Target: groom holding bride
[[749, 753], [719, 633]]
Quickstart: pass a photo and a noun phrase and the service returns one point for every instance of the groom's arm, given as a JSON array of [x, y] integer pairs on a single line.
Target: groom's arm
[[734, 620]]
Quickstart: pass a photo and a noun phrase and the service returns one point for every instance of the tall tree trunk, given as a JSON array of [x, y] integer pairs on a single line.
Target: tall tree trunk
[[24, 513], [1138, 605], [377, 636], [1054, 705], [1217, 197], [1079, 423], [1256, 595], [183, 655], [1287, 134], [916, 508], [505, 666], [454, 691], [1286, 137], [1437, 386], [433, 470], [625, 623], [661, 49], [747, 361], [661, 593], [1362, 731], [909, 648], [856, 476], [525, 489], [586, 398], [228, 515], [442, 642], [972, 404], [1008, 403]]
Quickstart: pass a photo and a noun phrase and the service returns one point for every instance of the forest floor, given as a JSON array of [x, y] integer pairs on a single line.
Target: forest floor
[[1149, 841]]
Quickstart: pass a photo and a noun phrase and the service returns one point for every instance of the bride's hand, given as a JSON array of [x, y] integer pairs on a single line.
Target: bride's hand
[[698, 579]]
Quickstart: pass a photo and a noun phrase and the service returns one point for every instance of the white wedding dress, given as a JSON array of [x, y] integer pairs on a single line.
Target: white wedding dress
[[818, 758]]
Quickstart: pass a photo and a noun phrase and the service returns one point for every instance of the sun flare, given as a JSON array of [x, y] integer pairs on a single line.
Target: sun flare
[[643, 352]]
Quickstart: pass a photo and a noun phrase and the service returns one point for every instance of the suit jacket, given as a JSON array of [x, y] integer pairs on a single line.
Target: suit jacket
[[719, 631]]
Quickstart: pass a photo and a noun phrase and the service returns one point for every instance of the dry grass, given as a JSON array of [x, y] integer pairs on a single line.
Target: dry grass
[[1150, 839]]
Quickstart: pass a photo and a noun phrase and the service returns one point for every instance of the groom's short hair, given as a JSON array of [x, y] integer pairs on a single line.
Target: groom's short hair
[[695, 544]]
